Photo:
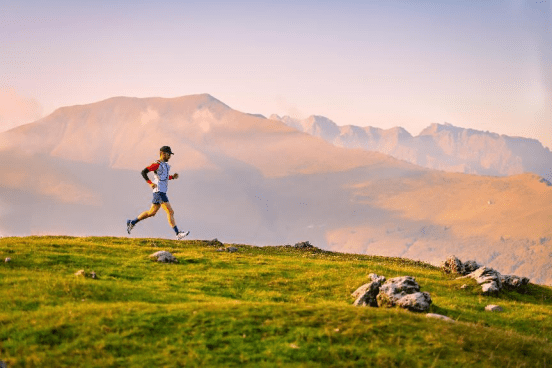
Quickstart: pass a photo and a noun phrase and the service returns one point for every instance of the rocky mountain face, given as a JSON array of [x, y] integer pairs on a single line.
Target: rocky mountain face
[[247, 179], [439, 146]]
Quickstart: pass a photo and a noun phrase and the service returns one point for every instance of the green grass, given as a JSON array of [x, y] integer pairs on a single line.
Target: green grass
[[258, 307]]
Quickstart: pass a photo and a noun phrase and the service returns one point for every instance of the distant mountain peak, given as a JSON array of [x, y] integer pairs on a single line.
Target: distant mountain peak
[[439, 146]]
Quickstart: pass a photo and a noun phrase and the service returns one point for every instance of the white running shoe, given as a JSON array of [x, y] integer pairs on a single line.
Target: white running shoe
[[182, 234]]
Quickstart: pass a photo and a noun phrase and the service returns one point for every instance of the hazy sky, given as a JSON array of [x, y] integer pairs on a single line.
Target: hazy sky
[[475, 64]]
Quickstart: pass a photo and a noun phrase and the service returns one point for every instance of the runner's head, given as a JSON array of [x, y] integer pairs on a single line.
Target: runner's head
[[165, 153]]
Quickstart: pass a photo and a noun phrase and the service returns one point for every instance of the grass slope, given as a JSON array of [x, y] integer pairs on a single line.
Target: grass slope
[[258, 307]]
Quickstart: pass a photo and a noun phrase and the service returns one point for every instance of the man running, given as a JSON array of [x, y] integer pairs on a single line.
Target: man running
[[159, 185]]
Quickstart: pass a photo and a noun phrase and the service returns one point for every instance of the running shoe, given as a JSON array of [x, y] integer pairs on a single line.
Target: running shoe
[[182, 234], [129, 226]]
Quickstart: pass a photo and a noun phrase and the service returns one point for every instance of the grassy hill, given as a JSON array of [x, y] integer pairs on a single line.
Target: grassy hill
[[257, 307]]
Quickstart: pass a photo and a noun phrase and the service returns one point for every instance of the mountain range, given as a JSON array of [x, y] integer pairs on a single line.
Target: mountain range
[[439, 146], [247, 179]]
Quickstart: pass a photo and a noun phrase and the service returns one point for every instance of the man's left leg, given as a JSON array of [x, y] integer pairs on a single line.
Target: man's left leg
[[171, 219]]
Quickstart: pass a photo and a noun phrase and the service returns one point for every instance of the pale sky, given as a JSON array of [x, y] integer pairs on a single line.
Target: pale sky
[[484, 65]]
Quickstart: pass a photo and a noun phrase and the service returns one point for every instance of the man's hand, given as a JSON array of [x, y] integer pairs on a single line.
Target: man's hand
[[153, 185], [175, 176]]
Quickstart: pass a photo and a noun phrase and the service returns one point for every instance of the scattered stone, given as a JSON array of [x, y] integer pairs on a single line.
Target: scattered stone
[[464, 287], [163, 257], [304, 245], [452, 265], [366, 294], [488, 278], [438, 316], [403, 292], [214, 242], [493, 308], [232, 249], [82, 273], [221, 249], [7, 260]]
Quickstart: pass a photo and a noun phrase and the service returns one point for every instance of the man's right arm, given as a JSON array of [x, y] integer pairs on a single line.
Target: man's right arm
[[145, 171]]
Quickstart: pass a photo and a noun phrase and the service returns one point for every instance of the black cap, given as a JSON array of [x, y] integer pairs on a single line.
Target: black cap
[[166, 149]]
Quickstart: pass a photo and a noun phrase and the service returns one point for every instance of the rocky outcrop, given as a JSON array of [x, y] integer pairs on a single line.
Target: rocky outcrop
[[513, 282], [402, 292], [304, 245], [452, 265], [489, 279]]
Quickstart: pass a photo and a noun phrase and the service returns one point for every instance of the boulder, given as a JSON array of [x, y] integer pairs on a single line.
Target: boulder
[[7, 260], [452, 265], [403, 292], [418, 301], [366, 294], [232, 249], [163, 257], [488, 278]]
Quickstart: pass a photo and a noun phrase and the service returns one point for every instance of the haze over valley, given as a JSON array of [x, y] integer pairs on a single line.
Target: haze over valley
[[248, 179]]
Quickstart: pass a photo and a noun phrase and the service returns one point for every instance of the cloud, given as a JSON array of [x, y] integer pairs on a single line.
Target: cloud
[[16, 109]]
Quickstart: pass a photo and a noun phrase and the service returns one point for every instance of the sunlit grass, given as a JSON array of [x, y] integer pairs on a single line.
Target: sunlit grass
[[260, 306]]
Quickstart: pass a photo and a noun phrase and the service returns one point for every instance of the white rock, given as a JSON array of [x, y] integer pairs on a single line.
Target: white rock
[[438, 316], [488, 278], [493, 308], [418, 301], [403, 292], [366, 294], [163, 257], [7, 260]]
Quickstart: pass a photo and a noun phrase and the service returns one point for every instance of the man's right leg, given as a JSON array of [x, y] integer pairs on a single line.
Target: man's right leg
[[146, 214], [149, 213]]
